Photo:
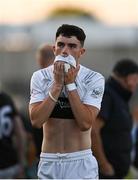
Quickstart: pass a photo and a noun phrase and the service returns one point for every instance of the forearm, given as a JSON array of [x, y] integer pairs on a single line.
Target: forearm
[[97, 147], [83, 115], [41, 112]]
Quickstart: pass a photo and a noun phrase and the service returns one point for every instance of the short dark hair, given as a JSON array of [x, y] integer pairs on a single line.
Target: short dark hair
[[71, 30], [125, 67]]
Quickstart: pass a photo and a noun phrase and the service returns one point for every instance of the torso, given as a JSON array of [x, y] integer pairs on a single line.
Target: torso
[[61, 133], [116, 133]]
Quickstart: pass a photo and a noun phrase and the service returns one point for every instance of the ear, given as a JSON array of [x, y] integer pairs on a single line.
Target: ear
[[82, 51], [54, 49]]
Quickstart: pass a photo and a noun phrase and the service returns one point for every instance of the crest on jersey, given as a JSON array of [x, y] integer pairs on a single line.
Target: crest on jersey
[[34, 92], [97, 92]]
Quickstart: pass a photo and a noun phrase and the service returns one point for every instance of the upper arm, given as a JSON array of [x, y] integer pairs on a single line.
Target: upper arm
[[36, 91], [33, 106], [93, 110], [94, 94]]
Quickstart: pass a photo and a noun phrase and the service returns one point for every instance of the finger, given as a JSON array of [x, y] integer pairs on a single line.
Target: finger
[[57, 66], [77, 68]]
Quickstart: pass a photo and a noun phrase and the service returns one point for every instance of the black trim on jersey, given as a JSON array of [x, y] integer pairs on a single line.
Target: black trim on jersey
[[62, 109]]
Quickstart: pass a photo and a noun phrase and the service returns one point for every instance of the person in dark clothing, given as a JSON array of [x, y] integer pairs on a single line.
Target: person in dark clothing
[[134, 153], [134, 134], [135, 163], [12, 154], [111, 137]]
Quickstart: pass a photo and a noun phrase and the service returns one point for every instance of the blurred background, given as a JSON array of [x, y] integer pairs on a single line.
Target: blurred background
[[111, 27]]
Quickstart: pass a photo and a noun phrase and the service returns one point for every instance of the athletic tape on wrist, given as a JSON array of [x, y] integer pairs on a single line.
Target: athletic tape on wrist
[[71, 87], [50, 95]]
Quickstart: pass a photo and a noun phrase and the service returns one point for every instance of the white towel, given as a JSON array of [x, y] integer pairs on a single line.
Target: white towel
[[69, 59]]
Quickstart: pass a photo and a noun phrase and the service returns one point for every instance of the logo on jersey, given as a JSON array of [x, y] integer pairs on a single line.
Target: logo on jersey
[[97, 92], [34, 92]]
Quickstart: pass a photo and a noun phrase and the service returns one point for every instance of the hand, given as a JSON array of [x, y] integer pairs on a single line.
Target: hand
[[59, 72], [70, 76], [107, 169]]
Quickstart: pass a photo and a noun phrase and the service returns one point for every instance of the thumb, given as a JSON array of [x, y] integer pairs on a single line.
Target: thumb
[[77, 68]]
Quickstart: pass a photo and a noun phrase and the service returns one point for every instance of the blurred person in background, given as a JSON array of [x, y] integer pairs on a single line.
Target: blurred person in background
[[45, 57], [12, 140], [111, 136], [66, 102], [134, 153]]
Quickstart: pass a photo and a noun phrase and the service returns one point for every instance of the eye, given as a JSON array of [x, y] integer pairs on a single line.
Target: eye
[[60, 44], [72, 45]]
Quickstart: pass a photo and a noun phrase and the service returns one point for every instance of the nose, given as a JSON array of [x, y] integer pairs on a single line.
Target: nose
[[65, 51]]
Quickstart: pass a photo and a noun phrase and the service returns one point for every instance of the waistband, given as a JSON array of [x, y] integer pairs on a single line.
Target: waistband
[[66, 156]]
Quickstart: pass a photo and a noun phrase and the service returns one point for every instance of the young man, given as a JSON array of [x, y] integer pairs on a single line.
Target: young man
[[66, 104], [112, 142]]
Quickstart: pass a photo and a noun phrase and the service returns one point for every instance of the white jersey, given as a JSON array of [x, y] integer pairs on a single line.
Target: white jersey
[[90, 86]]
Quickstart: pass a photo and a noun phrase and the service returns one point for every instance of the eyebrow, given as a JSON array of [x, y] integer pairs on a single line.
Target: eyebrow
[[70, 44]]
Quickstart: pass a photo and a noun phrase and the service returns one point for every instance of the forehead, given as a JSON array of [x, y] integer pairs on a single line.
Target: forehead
[[67, 40]]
